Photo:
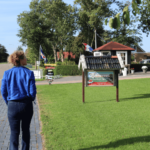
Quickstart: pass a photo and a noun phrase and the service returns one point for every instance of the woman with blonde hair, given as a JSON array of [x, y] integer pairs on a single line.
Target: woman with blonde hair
[[18, 91]]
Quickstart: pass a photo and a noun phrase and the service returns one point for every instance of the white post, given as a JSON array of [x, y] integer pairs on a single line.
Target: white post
[[95, 39], [39, 56]]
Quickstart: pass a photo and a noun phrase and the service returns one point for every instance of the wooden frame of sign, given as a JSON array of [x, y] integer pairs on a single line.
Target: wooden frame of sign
[[98, 77]]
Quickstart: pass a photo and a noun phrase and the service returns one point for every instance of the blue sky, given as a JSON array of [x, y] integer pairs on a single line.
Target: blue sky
[[9, 26]]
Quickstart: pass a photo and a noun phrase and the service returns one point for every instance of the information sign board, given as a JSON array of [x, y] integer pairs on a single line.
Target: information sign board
[[37, 63], [99, 78]]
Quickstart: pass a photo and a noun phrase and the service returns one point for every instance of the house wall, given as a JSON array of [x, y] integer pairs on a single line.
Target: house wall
[[66, 55], [140, 56]]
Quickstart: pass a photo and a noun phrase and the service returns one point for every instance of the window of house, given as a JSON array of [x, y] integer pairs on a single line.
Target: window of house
[[148, 57], [106, 53]]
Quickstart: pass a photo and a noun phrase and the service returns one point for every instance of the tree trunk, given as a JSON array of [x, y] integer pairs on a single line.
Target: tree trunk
[[61, 51], [55, 54], [92, 39], [35, 65], [62, 57]]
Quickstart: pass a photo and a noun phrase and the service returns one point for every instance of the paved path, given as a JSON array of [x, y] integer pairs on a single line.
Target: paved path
[[78, 79], [36, 139]]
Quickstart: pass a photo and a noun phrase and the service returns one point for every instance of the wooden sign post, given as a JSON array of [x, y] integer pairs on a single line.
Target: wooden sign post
[[82, 86], [110, 78], [100, 71]]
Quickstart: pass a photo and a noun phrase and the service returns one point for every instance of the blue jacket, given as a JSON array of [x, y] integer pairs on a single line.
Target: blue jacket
[[18, 83]]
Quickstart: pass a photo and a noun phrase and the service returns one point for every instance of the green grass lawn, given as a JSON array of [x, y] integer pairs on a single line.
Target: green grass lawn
[[39, 79], [3, 62], [100, 123]]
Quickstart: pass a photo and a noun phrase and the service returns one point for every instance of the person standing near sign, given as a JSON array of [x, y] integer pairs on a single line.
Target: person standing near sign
[[18, 91]]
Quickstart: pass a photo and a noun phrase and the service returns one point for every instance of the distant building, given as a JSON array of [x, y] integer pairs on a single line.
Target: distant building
[[140, 54], [66, 55], [114, 48]]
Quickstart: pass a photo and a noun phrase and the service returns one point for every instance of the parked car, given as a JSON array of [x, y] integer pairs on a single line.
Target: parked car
[[145, 61]]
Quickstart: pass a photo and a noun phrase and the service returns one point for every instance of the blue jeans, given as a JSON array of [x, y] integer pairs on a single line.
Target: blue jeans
[[20, 112]]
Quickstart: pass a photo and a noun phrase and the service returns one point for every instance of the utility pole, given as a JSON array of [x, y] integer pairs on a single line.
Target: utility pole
[[95, 39]]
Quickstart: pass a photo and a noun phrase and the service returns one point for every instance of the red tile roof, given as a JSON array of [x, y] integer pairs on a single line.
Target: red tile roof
[[114, 46]]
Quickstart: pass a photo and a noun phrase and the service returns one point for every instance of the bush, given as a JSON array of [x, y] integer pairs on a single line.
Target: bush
[[138, 67], [58, 63], [67, 70], [44, 72], [69, 63]]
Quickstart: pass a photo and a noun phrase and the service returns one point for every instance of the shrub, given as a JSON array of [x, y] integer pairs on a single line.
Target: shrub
[[67, 70], [68, 63], [58, 63], [44, 72]]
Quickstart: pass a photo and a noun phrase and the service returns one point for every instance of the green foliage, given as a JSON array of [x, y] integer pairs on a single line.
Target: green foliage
[[44, 72], [3, 54], [19, 48], [111, 23], [144, 21], [118, 21], [138, 1], [132, 57], [51, 59], [68, 70], [135, 8], [115, 23], [125, 34], [58, 63], [126, 16], [106, 20], [30, 55], [41, 62], [68, 62]]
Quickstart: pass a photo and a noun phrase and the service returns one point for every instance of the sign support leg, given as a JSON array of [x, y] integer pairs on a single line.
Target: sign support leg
[[117, 87], [82, 86]]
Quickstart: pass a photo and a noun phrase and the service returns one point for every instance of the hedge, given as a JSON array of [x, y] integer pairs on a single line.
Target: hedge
[[67, 70], [138, 67], [44, 72]]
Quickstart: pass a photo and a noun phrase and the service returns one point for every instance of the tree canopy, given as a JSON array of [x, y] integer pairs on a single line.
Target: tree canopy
[[52, 24], [3, 53]]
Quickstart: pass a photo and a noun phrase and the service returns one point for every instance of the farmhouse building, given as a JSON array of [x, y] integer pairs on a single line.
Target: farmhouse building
[[114, 48]]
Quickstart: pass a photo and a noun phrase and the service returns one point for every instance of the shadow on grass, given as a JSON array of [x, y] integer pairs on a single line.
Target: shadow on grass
[[121, 142], [101, 101], [139, 96]]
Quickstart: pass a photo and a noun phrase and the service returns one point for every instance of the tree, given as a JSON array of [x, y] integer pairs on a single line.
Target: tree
[[62, 17], [30, 55], [49, 21], [145, 17], [91, 17], [19, 48], [126, 34], [3, 54], [35, 30]]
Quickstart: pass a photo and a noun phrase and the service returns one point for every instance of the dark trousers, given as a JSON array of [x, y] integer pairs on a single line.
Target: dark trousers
[[20, 112]]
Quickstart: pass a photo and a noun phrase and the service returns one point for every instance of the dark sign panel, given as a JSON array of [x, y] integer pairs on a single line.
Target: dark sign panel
[[100, 78]]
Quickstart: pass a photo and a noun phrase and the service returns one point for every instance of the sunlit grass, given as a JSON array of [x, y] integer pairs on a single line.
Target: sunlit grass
[[99, 123]]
